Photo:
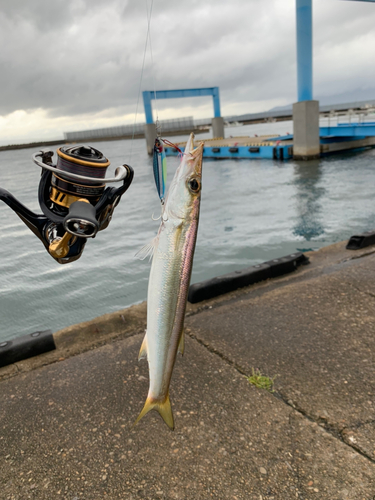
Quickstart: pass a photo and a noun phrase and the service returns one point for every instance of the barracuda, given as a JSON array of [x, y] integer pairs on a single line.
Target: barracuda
[[173, 251]]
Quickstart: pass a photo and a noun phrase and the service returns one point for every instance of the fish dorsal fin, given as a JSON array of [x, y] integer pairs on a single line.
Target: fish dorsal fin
[[181, 344], [143, 352], [163, 407], [148, 250]]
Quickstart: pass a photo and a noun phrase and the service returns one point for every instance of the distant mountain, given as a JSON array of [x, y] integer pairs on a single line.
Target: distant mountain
[[357, 95]]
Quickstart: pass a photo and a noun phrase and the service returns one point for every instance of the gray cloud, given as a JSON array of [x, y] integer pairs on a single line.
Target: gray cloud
[[78, 56]]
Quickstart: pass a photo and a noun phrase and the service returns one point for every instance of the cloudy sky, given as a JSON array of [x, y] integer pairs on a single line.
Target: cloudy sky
[[77, 64]]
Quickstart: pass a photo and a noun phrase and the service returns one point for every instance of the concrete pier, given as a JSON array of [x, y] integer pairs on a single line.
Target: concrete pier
[[218, 127], [66, 417], [306, 141], [150, 135]]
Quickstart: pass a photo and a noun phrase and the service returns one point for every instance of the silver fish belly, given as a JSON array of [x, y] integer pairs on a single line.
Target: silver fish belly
[[173, 252]]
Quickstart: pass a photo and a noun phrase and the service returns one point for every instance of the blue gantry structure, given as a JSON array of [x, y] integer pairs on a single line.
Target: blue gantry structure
[[150, 128], [149, 95]]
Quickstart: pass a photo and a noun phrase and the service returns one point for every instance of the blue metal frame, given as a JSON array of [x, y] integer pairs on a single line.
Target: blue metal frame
[[347, 130], [304, 50], [172, 94]]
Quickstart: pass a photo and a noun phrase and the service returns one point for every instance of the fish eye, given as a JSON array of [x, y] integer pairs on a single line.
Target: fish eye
[[194, 185]]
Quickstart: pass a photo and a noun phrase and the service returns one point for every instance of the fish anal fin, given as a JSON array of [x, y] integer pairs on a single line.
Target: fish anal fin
[[147, 250], [163, 407], [181, 344], [143, 351]]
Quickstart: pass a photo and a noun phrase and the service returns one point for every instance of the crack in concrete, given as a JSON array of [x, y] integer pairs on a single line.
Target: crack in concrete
[[365, 254], [296, 468], [361, 424], [329, 428], [357, 449], [218, 353], [370, 294]]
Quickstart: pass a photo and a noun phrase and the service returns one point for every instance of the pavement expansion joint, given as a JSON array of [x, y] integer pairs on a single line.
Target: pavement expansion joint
[[321, 422]]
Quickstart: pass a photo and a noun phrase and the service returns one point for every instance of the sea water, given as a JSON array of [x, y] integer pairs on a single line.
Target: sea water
[[251, 211]]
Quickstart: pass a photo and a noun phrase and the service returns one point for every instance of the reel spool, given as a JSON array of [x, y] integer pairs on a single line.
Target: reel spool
[[74, 199], [83, 160]]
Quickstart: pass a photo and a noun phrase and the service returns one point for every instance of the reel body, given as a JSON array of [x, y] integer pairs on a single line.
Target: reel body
[[74, 199]]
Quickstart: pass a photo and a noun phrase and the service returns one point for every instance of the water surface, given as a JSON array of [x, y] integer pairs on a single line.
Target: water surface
[[252, 211]]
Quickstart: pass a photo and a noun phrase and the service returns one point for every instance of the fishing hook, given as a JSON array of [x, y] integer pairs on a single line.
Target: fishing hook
[[153, 218]]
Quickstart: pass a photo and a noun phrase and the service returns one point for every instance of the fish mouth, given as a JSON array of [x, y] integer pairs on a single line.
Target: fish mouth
[[190, 147], [195, 154]]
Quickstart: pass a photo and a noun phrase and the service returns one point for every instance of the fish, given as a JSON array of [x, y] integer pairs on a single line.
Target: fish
[[172, 252]]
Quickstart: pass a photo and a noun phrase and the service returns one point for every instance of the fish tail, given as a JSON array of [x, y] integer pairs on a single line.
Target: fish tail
[[163, 407]]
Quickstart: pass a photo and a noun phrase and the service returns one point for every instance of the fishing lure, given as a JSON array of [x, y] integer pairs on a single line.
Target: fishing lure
[[160, 168]]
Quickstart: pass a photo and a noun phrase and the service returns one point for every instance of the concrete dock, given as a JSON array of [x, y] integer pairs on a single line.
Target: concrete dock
[[241, 147], [281, 147], [66, 417]]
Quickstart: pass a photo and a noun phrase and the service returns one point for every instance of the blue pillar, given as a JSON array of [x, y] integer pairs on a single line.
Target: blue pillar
[[216, 98], [147, 105], [304, 50]]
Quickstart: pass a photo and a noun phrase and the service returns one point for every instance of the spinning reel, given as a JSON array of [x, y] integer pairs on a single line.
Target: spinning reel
[[73, 198]]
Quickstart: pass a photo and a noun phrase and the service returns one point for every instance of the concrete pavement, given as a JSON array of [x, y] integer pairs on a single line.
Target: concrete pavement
[[66, 417]]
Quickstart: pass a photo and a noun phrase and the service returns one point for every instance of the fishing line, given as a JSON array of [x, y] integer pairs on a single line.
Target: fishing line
[[153, 81], [142, 71], [169, 143]]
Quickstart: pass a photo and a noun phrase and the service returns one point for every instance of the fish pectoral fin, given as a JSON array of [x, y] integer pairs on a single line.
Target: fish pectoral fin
[[143, 351], [181, 344], [147, 250], [163, 407]]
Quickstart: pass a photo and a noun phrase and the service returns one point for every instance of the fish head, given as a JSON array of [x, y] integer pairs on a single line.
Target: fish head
[[184, 194]]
